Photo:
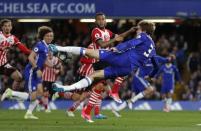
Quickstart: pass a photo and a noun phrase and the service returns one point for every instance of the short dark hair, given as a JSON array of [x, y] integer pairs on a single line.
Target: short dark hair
[[43, 30], [3, 21], [148, 27], [98, 14]]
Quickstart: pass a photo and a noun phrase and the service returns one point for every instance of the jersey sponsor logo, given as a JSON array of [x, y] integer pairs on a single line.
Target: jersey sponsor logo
[[10, 40]]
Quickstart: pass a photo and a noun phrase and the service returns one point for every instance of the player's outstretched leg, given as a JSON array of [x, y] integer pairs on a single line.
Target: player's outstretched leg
[[83, 83], [149, 91], [91, 53], [9, 93]]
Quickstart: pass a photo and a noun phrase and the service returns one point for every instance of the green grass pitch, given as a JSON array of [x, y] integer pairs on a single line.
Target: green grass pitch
[[12, 120]]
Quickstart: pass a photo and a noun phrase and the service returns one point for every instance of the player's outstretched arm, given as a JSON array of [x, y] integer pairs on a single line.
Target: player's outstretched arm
[[118, 38], [23, 49], [128, 32]]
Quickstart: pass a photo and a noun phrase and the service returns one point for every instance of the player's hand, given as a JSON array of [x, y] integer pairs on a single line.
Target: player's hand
[[4, 48], [39, 73], [133, 29], [171, 57], [148, 78], [57, 71], [119, 38], [114, 49]]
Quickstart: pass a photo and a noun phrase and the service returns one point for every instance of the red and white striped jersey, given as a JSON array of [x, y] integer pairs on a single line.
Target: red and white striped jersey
[[49, 73], [6, 41], [104, 35], [97, 34], [87, 67]]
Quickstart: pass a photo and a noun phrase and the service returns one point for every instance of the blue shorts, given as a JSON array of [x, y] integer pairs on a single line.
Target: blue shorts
[[31, 80], [167, 89], [119, 63], [139, 84]]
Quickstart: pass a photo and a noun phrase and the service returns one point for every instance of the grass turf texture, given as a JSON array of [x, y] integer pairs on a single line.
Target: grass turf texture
[[12, 120]]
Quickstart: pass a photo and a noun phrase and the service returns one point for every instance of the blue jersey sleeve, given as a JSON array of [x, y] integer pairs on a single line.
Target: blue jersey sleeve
[[156, 66], [161, 60], [159, 72], [130, 44], [177, 74], [37, 48]]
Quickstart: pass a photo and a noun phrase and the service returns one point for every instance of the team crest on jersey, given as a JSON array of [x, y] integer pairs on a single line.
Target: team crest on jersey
[[10, 40], [97, 36], [35, 49]]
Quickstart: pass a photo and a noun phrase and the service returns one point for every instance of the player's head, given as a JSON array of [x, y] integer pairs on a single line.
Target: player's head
[[145, 26], [50, 55], [6, 26], [45, 33], [171, 58], [100, 20]]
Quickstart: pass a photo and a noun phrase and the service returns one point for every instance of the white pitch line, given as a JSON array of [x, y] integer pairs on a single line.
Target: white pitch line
[[198, 124]]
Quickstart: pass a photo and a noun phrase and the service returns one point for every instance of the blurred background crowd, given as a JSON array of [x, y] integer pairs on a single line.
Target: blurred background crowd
[[181, 39]]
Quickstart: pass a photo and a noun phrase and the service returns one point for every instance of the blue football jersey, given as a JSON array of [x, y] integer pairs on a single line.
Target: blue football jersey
[[41, 49], [141, 48], [169, 74]]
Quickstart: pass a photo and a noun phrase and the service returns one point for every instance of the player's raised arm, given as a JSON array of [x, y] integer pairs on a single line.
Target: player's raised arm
[[23, 48], [117, 38], [128, 32], [128, 44]]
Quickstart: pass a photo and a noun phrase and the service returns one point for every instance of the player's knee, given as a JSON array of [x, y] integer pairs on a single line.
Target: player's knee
[[33, 96], [40, 90], [17, 76], [75, 96], [99, 86], [46, 94], [151, 90]]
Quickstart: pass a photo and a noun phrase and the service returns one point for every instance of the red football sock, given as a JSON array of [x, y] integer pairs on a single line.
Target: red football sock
[[88, 109], [94, 97], [96, 110], [45, 102], [117, 84], [74, 106]]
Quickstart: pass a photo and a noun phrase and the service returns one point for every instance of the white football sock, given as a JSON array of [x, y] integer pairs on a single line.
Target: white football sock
[[32, 106], [168, 102], [20, 95], [137, 97], [83, 83], [72, 49]]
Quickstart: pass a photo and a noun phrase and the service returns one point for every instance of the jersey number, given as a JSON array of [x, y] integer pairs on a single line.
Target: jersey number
[[147, 53]]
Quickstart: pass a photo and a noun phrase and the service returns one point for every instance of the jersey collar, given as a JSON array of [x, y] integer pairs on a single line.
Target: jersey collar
[[45, 43]]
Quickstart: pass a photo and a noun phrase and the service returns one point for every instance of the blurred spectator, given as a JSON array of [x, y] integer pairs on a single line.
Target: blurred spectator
[[72, 32]]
